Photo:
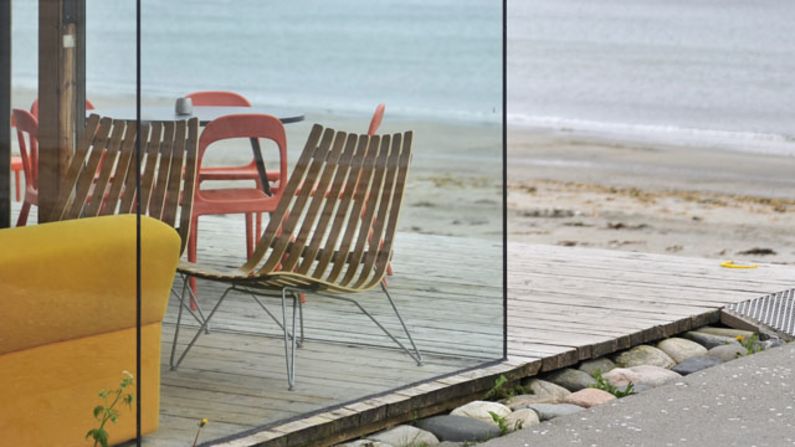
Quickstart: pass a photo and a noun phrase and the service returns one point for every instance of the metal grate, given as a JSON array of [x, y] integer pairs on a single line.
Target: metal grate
[[776, 310]]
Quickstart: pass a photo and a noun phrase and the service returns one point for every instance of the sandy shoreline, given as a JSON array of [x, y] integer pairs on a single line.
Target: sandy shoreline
[[570, 189]]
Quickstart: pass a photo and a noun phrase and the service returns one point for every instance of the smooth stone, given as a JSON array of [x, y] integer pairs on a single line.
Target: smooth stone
[[453, 444], [571, 379], [364, 443], [405, 435], [644, 355], [589, 397], [680, 349], [543, 392], [458, 428], [481, 410], [727, 352], [725, 331], [695, 364], [521, 419], [551, 411], [643, 375], [709, 341], [601, 365]]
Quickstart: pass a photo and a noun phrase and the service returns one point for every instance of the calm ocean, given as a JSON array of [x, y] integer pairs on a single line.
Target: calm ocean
[[714, 72]]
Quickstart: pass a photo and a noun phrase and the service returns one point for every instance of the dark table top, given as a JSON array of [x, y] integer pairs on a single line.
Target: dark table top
[[204, 113]]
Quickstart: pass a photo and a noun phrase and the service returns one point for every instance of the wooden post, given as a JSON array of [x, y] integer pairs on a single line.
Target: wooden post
[[5, 113], [59, 87]]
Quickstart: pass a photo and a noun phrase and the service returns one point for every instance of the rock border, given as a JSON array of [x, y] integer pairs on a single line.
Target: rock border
[[522, 403]]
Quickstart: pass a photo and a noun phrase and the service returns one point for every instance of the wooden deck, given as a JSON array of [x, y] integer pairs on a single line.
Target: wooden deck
[[565, 305]]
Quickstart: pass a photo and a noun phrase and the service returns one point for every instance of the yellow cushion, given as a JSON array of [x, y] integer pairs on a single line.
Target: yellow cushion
[[66, 280], [49, 392]]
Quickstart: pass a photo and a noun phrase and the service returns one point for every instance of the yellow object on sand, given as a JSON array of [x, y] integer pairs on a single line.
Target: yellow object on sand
[[734, 265], [67, 325]]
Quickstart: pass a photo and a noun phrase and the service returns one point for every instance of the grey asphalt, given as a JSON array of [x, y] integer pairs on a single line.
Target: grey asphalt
[[746, 402]]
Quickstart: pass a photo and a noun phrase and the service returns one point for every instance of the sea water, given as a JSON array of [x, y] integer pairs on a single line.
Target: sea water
[[706, 72], [439, 58]]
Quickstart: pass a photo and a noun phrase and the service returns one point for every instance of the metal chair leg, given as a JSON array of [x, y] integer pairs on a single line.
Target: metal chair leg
[[181, 298], [416, 355], [289, 341], [203, 327], [276, 320]]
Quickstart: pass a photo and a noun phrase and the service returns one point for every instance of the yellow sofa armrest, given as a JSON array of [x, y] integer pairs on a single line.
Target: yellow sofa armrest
[[66, 280]]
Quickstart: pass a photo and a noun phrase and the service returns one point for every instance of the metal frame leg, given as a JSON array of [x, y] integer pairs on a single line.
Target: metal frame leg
[[203, 328], [290, 340], [416, 355]]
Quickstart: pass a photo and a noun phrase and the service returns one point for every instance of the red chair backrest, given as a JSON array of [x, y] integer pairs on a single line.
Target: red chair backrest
[[34, 108], [375, 122], [252, 125], [218, 98], [26, 123]]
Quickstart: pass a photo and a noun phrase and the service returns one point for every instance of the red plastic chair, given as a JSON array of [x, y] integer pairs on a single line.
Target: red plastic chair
[[238, 200], [17, 165], [244, 172], [27, 124]]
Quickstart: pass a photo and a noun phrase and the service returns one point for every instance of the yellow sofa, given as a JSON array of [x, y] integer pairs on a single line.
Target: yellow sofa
[[67, 325]]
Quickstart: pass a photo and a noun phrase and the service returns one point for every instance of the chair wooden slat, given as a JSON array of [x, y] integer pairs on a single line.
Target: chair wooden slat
[[316, 197], [86, 179], [86, 192], [171, 198], [369, 206], [312, 251], [340, 217], [189, 183], [96, 133], [377, 223], [277, 217], [128, 170], [385, 252], [359, 193], [150, 165], [159, 191]]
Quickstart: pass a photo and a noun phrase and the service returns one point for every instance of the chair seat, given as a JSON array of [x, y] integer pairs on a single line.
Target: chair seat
[[273, 281], [233, 200], [246, 172]]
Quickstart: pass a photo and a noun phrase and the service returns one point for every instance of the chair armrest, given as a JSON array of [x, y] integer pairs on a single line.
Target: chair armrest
[[65, 280]]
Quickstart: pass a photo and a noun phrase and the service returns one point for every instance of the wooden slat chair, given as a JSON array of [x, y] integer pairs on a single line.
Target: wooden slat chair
[[322, 239], [100, 176]]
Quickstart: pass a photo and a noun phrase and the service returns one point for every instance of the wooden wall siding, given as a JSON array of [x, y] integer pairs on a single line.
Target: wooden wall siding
[[61, 83]]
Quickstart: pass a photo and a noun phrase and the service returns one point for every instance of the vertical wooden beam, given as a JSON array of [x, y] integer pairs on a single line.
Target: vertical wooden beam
[[5, 113], [58, 90]]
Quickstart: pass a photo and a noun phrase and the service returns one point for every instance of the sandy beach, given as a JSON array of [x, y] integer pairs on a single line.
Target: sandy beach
[[571, 189]]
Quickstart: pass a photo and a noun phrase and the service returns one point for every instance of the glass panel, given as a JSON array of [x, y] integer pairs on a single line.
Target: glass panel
[[67, 288], [436, 66]]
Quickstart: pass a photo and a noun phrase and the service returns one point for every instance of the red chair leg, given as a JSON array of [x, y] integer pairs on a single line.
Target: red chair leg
[[258, 233], [16, 184], [249, 236], [22, 220]]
